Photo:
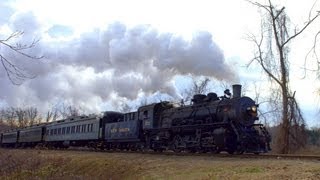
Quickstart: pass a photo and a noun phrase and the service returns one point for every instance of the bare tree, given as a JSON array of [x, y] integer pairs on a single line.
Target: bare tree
[[68, 110], [2, 116], [3, 125], [27, 116], [11, 117], [16, 73], [21, 117], [52, 115], [272, 49], [32, 116]]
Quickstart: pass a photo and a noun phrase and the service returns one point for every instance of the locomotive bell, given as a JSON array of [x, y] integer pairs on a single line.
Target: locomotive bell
[[236, 90]]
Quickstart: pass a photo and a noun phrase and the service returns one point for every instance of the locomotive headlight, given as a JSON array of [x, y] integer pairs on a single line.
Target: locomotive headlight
[[254, 108]]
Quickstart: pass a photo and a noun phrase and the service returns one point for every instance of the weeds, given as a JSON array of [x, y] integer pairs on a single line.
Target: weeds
[[17, 164], [48, 164]]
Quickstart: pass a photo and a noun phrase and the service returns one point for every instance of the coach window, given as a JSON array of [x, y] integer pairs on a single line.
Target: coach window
[[59, 131], [51, 132], [63, 130], [68, 130], [88, 130], [78, 128], [91, 127], [73, 129], [47, 132], [83, 128], [55, 131], [145, 114]]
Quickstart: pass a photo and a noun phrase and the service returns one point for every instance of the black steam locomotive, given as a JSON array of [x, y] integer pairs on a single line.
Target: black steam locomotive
[[210, 124]]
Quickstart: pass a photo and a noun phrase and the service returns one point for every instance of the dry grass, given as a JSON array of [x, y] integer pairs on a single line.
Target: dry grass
[[38, 164], [309, 150]]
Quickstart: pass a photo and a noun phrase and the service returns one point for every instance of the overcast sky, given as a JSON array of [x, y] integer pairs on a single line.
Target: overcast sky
[[100, 52]]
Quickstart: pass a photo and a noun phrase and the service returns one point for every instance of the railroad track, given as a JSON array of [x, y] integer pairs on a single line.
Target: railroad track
[[220, 155], [244, 156]]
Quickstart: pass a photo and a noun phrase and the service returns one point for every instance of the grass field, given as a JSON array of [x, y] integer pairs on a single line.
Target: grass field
[[49, 164]]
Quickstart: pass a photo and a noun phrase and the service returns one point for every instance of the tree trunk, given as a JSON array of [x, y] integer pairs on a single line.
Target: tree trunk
[[285, 125]]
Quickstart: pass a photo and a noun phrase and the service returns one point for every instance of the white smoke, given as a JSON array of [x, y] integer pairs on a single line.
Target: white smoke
[[117, 61]]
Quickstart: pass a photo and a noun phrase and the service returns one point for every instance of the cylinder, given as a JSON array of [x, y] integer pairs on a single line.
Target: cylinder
[[236, 90]]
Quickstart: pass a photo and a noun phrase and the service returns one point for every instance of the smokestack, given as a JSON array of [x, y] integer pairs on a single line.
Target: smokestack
[[236, 90]]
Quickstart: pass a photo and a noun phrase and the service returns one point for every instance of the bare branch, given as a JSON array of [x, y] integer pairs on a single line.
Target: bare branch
[[15, 73], [259, 5], [303, 28], [313, 51], [260, 58]]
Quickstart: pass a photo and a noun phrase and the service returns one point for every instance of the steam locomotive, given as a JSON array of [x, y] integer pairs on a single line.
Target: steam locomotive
[[209, 124]]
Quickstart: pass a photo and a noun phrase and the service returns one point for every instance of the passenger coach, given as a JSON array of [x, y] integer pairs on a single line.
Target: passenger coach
[[74, 131], [32, 136], [10, 138]]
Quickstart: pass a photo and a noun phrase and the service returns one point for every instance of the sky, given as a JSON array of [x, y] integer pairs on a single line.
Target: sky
[[100, 54]]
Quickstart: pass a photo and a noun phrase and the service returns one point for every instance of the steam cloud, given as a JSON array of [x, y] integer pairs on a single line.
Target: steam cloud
[[108, 63]]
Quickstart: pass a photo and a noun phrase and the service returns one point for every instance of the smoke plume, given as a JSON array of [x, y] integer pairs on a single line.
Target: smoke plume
[[104, 64]]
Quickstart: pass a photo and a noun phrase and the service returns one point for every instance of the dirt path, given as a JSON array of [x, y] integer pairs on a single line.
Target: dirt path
[[40, 164]]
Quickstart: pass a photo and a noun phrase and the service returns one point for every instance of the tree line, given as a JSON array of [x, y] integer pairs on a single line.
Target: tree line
[[19, 117]]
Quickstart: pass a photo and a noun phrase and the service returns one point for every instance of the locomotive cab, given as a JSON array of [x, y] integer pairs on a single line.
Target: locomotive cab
[[150, 114]]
